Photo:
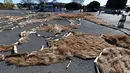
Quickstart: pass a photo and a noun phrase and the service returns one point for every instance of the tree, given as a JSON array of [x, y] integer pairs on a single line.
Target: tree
[[19, 5], [40, 1], [78, 1], [1, 5], [28, 3], [73, 6], [116, 4], [59, 5], [93, 6], [8, 5]]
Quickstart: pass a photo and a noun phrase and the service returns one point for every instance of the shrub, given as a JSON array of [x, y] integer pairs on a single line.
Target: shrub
[[8, 6], [93, 6], [73, 6]]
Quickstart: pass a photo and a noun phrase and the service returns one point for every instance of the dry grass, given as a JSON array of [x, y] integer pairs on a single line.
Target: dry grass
[[118, 40], [47, 56], [74, 15], [12, 18], [30, 18], [38, 18], [2, 57], [114, 60], [81, 45], [57, 28], [23, 40], [96, 20], [87, 16], [5, 48]]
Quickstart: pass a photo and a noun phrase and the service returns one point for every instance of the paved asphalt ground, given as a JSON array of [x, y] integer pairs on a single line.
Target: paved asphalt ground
[[14, 12], [113, 20], [93, 28], [77, 65]]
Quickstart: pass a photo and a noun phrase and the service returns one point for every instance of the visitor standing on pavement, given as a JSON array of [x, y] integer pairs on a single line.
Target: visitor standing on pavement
[[122, 20]]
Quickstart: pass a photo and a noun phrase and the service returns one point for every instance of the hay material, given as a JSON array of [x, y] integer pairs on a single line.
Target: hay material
[[86, 16], [12, 18], [81, 45], [29, 18], [118, 40], [114, 60], [23, 40], [57, 28], [2, 57], [44, 57], [70, 16], [24, 37], [4, 48]]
